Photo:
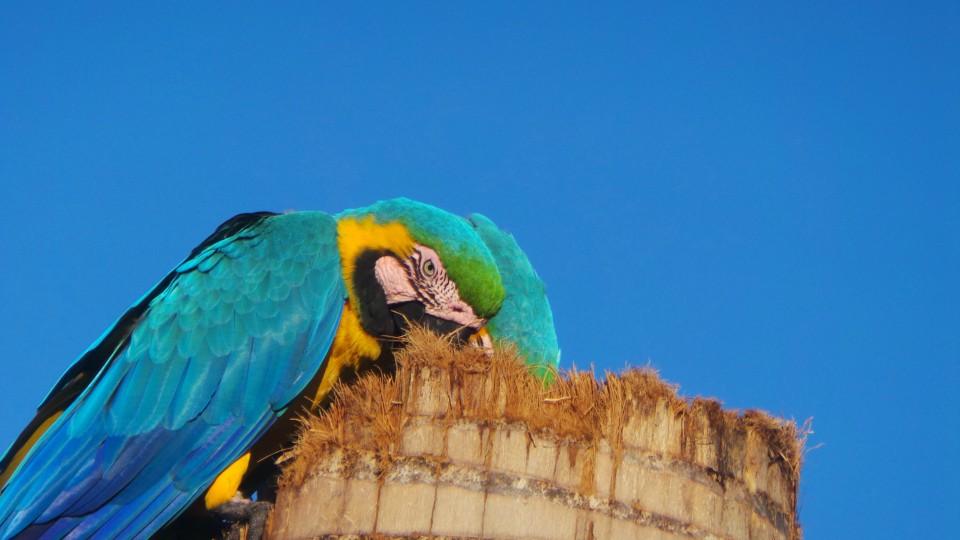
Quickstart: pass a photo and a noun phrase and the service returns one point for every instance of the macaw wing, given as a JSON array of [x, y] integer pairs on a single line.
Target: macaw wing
[[216, 353], [81, 372], [525, 317]]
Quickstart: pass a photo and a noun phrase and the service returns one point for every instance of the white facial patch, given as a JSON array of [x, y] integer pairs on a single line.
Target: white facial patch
[[392, 276], [421, 277]]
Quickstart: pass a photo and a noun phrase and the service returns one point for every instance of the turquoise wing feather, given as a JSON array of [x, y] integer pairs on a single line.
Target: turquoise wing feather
[[525, 317], [184, 383]]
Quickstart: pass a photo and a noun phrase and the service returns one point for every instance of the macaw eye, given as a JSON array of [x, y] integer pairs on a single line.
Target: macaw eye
[[428, 268]]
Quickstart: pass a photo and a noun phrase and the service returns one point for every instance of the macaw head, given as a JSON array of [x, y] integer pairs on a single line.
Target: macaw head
[[408, 262]]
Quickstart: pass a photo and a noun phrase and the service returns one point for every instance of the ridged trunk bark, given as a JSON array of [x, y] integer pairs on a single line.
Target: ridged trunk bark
[[466, 446]]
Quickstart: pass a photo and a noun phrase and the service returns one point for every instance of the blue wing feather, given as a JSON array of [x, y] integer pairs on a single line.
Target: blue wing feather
[[525, 317], [229, 339]]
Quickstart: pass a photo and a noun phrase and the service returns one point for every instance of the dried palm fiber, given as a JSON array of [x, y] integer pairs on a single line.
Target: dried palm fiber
[[461, 444]]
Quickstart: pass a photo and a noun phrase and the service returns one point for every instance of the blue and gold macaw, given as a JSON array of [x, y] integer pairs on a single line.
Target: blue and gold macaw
[[198, 380]]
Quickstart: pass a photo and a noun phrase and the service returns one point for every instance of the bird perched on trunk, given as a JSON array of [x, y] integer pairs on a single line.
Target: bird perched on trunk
[[196, 384]]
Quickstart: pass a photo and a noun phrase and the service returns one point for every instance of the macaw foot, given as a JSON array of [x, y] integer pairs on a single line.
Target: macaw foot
[[239, 511]]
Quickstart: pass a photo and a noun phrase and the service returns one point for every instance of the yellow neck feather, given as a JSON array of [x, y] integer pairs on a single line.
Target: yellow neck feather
[[352, 346], [355, 236]]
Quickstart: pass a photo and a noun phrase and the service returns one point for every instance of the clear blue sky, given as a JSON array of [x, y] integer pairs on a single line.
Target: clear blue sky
[[760, 201]]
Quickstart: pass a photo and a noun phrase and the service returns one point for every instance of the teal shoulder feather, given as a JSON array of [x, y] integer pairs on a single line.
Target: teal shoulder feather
[[525, 318]]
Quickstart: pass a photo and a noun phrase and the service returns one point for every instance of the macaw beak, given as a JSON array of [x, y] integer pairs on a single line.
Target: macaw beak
[[407, 313], [481, 339]]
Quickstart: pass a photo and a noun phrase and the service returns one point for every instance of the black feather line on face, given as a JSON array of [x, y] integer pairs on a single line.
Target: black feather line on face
[[375, 315], [421, 281]]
